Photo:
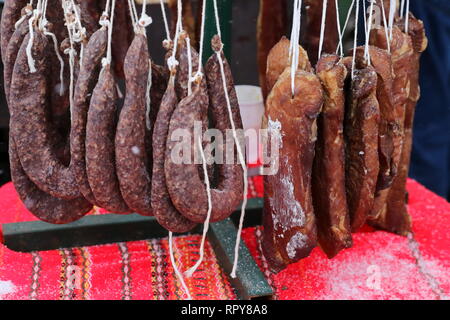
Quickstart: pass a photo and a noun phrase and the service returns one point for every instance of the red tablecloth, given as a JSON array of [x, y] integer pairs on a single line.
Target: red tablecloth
[[379, 266]]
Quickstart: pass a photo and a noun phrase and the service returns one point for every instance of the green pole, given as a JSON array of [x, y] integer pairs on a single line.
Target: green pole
[[225, 17]]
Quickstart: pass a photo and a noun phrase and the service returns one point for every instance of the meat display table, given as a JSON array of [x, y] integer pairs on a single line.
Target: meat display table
[[379, 266]]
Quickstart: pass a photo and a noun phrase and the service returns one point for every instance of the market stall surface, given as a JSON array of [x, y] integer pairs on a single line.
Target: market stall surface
[[379, 266]]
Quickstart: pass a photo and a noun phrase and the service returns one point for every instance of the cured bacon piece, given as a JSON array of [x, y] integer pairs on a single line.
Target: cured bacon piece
[[361, 124], [395, 217], [289, 223], [271, 27], [390, 130], [401, 52], [278, 60], [328, 180]]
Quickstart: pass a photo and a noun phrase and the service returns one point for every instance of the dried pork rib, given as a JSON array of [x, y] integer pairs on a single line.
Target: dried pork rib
[[395, 218], [362, 117], [289, 224], [401, 53], [328, 180]]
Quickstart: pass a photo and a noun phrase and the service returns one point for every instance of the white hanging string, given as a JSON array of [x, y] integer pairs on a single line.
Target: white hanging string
[[61, 61], [133, 15], [295, 37], [30, 59], [392, 9], [369, 28], [365, 16], [191, 271], [402, 8], [238, 146], [322, 26], [166, 24], [175, 267], [386, 27], [338, 24], [145, 19], [189, 54], [202, 39], [340, 45], [407, 17], [172, 61], [355, 40], [108, 59]]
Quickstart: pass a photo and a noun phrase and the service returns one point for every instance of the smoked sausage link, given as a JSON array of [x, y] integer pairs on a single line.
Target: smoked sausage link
[[89, 72], [163, 209], [132, 163], [100, 155], [31, 125]]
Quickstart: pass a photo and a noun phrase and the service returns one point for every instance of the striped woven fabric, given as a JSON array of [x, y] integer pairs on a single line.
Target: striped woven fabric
[[132, 270]]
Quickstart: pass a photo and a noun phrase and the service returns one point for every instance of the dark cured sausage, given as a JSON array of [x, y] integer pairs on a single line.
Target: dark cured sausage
[[89, 72], [100, 155], [163, 209], [11, 52], [401, 52], [11, 13], [288, 218], [362, 117], [278, 60], [30, 124], [328, 178], [271, 26], [186, 188], [132, 164], [41, 204]]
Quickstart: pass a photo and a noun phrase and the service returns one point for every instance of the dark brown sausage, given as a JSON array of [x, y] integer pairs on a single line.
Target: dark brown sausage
[[132, 164], [328, 178], [289, 222], [100, 155], [93, 54], [362, 117], [123, 35], [30, 124], [11, 13], [185, 185], [41, 204], [10, 54], [163, 209]]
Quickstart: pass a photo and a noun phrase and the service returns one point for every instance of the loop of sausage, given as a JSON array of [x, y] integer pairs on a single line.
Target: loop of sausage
[[361, 125], [31, 127], [289, 222], [328, 178], [185, 61], [163, 208], [132, 162], [89, 72], [100, 155], [11, 13], [40, 204]]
